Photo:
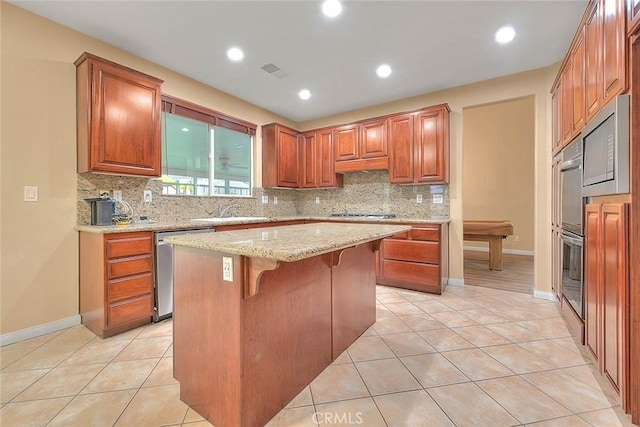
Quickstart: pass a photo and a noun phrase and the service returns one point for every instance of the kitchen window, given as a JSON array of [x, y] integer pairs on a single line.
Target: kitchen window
[[205, 153]]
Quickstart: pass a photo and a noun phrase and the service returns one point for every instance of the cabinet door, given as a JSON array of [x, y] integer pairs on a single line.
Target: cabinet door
[[430, 146], [125, 121], [592, 273], [287, 157], [401, 142], [556, 138], [614, 49], [567, 102], [578, 80], [308, 178], [633, 15], [345, 140], [593, 60], [325, 166], [373, 139], [614, 285]]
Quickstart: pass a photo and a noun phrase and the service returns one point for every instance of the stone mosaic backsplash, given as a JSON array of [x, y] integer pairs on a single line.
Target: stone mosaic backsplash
[[363, 192]]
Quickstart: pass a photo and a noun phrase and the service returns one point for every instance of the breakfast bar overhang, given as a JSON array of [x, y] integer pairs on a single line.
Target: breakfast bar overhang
[[259, 313]]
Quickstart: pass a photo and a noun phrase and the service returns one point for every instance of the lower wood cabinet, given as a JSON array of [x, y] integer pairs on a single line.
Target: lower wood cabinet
[[116, 281], [606, 292], [416, 260]]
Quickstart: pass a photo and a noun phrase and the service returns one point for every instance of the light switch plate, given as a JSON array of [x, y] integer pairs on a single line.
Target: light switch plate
[[227, 269], [419, 198], [265, 199], [30, 193], [147, 196], [318, 200], [437, 198], [275, 200]]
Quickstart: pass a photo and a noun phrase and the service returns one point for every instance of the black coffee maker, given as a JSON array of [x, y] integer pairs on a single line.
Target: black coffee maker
[[102, 210]]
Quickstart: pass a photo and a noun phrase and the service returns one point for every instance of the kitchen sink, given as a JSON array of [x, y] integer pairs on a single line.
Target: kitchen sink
[[216, 220]]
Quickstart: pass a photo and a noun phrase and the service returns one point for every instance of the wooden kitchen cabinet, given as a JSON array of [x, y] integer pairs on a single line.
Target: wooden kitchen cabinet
[[361, 146], [556, 137], [118, 118], [633, 16], [419, 144], [606, 290], [416, 260], [614, 48], [318, 167], [116, 281], [578, 81], [566, 84], [593, 60], [280, 156]]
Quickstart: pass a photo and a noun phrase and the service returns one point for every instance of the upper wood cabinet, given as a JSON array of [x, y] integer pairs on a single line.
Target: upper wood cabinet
[[325, 164], [566, 115], [118, 118], [361, 146], [280, 156], [633, 15], [419, 144], [317, 160], [578, 82], [346, 142], [373, 139], [556, 137], [614, 45], [593, 60]]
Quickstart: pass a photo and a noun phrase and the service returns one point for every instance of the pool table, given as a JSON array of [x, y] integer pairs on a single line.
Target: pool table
[[492, 232]]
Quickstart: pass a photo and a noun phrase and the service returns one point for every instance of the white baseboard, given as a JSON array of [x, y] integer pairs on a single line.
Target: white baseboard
[[504, 251], [551, 296], [36, 331], [456, 282]]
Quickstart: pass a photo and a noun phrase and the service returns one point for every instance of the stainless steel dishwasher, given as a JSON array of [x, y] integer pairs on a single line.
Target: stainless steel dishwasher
[[163, 289]]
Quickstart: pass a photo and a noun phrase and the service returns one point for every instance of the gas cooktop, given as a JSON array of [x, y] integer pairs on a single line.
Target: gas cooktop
[[364, 215]]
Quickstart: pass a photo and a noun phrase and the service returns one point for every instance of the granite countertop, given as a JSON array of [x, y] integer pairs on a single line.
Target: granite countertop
[[213, 222], [289, 243]]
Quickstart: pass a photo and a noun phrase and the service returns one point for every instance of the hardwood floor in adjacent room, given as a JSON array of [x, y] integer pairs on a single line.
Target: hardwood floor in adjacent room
[[516, 274]]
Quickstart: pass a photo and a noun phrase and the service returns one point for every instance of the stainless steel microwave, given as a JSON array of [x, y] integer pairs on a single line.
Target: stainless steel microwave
[[605, 150]]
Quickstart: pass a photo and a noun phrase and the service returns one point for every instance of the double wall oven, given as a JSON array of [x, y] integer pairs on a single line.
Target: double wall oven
[[572, 226]]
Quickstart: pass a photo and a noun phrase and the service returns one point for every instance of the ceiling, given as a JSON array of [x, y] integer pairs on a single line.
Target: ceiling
[[430, 45]]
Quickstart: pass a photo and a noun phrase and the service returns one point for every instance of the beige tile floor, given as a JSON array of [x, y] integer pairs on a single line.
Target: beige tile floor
[[470, 357]]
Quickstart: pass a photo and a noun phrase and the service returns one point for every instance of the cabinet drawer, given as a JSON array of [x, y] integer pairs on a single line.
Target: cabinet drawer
[[409, 250], [429, 234], [129, 266], [411, 272], [129, 287], [125, 311], [129, 246]]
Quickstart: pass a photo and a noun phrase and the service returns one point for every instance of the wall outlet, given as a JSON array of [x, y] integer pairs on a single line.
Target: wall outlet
[[147, 196], [275, 200], [117, 195], [317, 200], [419, 198], [227, 269], [517, 238], [265, 199], [437, 198]]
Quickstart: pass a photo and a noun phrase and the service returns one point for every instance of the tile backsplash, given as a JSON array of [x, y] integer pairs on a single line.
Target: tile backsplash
[[362, 192]]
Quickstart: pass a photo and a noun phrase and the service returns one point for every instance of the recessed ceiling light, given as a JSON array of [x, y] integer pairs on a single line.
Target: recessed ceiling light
[[235, 54], [331, 8], [505, 34], [383, 71], [304, 94], [185, 129]]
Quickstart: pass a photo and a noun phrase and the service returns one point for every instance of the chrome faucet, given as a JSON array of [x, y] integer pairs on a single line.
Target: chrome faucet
[[222, 209]]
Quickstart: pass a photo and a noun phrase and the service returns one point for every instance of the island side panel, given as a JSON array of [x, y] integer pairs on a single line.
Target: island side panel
[[286, 336], [353, 298], [206, 334]]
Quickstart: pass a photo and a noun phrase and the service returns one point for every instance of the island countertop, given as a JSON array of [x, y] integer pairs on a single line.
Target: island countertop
[[291, 242]]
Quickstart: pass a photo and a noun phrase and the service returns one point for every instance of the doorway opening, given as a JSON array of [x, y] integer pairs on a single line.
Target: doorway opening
[[498, 185]]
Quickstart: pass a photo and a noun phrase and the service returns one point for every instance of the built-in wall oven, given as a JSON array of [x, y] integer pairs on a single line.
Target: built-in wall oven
[[572, 226]]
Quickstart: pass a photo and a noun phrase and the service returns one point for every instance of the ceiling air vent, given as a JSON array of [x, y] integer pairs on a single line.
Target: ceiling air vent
[[274, 70]]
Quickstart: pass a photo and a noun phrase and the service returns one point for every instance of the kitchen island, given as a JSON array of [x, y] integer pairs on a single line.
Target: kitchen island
[[259, 313]]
